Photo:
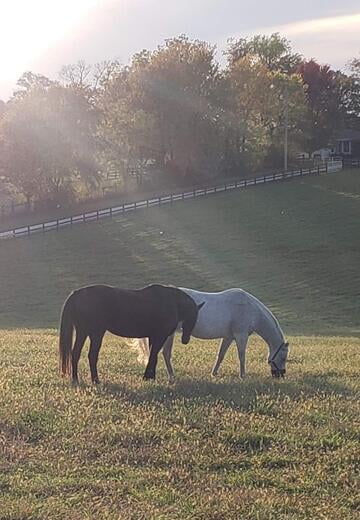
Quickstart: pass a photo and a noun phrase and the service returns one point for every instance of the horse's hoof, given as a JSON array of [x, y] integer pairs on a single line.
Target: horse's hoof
[[171, 380], [149, 378], [75, 383], [96, 382], [214, 374]]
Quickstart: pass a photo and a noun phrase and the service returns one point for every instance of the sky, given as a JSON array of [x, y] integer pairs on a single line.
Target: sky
[[44, 35]]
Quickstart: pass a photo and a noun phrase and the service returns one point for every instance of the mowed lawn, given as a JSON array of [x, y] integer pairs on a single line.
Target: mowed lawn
[[203, 448], [295, 245]]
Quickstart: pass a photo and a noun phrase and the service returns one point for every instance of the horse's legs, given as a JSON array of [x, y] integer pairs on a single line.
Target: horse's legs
[[223, 347], [95, 344], [155, 347], [167, 348], [76, 351], [241, 342]]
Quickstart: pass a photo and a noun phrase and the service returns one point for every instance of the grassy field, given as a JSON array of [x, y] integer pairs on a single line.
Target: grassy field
[[203, 449], [200, 449], [295, 245]]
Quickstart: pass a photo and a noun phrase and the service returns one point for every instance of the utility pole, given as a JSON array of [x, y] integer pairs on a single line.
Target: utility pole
[[286, 114]]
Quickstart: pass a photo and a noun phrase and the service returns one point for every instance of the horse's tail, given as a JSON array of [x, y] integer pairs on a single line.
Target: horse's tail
[[66, 337], [141, 345]]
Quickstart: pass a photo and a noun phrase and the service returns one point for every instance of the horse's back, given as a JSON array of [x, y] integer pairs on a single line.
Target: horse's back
[[215, 319], [224, 313], [125, 312], [228, 296]]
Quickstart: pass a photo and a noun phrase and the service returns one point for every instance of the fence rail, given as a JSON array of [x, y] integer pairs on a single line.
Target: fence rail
[[57, 224], [351, 163]]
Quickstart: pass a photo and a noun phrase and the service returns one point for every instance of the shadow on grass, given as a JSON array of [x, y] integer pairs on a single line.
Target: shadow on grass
[[240, 395]]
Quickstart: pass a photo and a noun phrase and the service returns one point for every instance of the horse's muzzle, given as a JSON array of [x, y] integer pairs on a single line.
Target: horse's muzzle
[[278, 373], [185, 339]]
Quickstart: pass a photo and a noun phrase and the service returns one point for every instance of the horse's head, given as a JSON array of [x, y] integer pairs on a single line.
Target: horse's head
[[188, 312], [277, 360]]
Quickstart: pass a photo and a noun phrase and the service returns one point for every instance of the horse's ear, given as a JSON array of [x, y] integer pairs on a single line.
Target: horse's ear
[[200, 305]]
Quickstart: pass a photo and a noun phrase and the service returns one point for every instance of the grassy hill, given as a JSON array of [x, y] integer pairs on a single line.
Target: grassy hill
[[203, 448], [295, 245]]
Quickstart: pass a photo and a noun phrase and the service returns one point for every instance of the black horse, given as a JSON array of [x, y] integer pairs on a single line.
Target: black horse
[[153, 312]]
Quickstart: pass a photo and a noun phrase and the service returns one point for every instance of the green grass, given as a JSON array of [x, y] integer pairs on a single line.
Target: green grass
[[295, 245], [200, 449], [203, 449]]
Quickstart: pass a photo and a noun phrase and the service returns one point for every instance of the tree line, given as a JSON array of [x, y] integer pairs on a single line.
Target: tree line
[[175, 110]]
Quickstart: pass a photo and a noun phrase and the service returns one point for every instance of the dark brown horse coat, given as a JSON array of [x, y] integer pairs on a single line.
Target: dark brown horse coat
[[152, 312]]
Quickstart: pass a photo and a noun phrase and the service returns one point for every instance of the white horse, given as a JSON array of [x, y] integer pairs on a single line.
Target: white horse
[[231, 315]]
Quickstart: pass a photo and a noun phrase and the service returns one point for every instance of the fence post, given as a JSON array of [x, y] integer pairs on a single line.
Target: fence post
[[28, 230], [57, 224], [111, 212]]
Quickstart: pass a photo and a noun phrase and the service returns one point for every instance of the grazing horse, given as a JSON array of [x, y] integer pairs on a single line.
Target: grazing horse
[[231, 315], [153, 312]]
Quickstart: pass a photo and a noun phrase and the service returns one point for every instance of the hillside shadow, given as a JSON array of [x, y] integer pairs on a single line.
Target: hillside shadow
[[235, 394]]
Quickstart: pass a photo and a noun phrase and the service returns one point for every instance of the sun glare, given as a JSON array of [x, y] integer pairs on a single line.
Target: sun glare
[[30, 27]]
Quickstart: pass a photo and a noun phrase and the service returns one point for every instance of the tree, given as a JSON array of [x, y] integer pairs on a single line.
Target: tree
[[86, 79], [30, 82], [117, 124], [2, 107], [46, 140], [350, 94], [324, 113], [274, 52], [162, 106], [255, 118], [176, 84], [19, 154]]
